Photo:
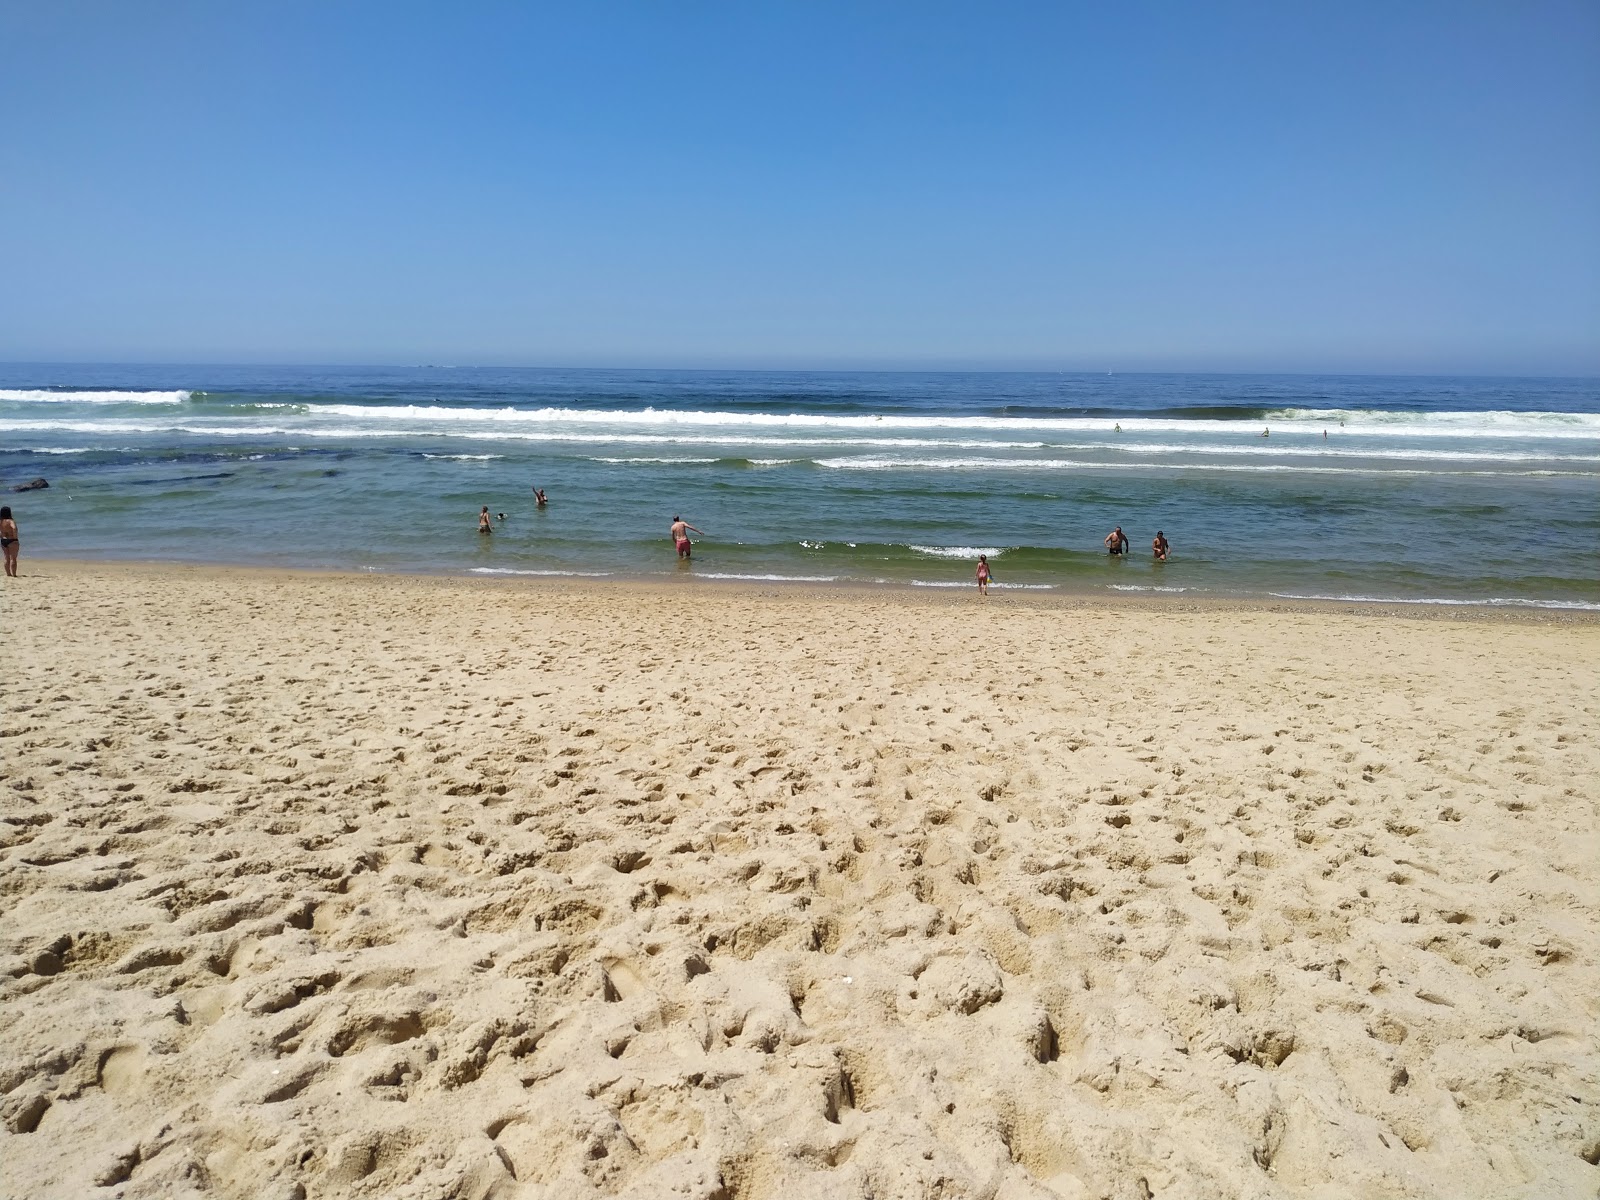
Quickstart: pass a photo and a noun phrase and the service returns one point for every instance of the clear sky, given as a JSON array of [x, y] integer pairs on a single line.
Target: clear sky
[[1344, 185]]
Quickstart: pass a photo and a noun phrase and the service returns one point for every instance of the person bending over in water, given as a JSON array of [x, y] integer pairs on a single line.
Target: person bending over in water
[[484, 524], [1117, 541], [984, 575], [680, 535], [8, 540], [1159, 547]]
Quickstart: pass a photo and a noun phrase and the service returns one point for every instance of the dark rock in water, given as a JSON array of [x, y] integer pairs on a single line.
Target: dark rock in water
[[33, 485]]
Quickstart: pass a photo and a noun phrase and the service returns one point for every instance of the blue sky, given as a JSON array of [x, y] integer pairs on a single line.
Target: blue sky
[[1266, 186]]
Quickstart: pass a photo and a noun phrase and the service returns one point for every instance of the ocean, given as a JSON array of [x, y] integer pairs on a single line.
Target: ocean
[[1411, 489]]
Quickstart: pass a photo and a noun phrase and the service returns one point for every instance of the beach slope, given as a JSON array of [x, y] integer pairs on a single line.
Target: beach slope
[[357, 886]]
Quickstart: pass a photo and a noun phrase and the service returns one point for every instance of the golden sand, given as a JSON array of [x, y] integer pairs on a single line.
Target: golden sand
[[340, 886]]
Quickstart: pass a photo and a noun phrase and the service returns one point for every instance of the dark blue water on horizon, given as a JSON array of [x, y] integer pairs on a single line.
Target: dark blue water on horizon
[[1438, 489]]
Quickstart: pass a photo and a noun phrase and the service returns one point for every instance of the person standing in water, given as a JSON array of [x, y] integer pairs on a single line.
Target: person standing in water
[[680, 535], [485, 525], [1117, 542], [1159, 547], [984, 575], [538, 496], [9, 540]]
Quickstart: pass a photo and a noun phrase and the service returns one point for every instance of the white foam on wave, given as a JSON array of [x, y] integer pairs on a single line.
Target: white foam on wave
[[532, 571], [1489, 602], [659, 461], [370, 420], [1333, 450], [994, 583], [1140, 587], [123, 425], [885, 463], [464, 457], [1125, 450], [47, 396], [681, 439], [1388, 423], [177, 425], [879, 462], [767, 578], [1459, 423], [958, 551]]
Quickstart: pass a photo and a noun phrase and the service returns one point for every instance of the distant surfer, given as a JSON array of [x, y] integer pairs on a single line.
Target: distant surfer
[[538, 496], [984, 574], [680, 535], [1117, 542], [485, 525], [1159, 547]]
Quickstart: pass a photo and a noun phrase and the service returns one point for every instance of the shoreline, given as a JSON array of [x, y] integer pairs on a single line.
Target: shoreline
[[908, 593]]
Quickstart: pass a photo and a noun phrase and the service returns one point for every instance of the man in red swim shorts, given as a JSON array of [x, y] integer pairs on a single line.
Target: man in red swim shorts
[[680, 535]]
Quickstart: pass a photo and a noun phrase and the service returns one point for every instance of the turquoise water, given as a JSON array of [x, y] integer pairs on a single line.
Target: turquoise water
[[1426, 489]]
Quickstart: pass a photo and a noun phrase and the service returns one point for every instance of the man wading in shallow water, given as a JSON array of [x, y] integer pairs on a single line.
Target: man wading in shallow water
[[680, 535]]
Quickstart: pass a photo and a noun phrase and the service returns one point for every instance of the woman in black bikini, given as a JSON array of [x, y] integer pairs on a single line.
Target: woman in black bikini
[[8, 540]]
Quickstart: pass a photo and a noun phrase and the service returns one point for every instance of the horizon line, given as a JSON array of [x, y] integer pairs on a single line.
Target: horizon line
[[352, 364]]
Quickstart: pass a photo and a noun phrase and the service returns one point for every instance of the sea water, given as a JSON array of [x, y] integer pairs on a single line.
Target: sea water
[[1443, 490]]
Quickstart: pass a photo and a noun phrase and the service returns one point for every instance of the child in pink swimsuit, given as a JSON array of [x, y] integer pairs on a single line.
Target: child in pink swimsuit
[[983, 574]]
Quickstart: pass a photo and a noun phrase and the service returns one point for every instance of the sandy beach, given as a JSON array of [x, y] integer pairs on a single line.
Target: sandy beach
[[383, 886]]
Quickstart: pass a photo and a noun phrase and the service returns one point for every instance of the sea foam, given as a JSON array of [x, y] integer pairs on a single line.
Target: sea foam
[[49, 396]]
